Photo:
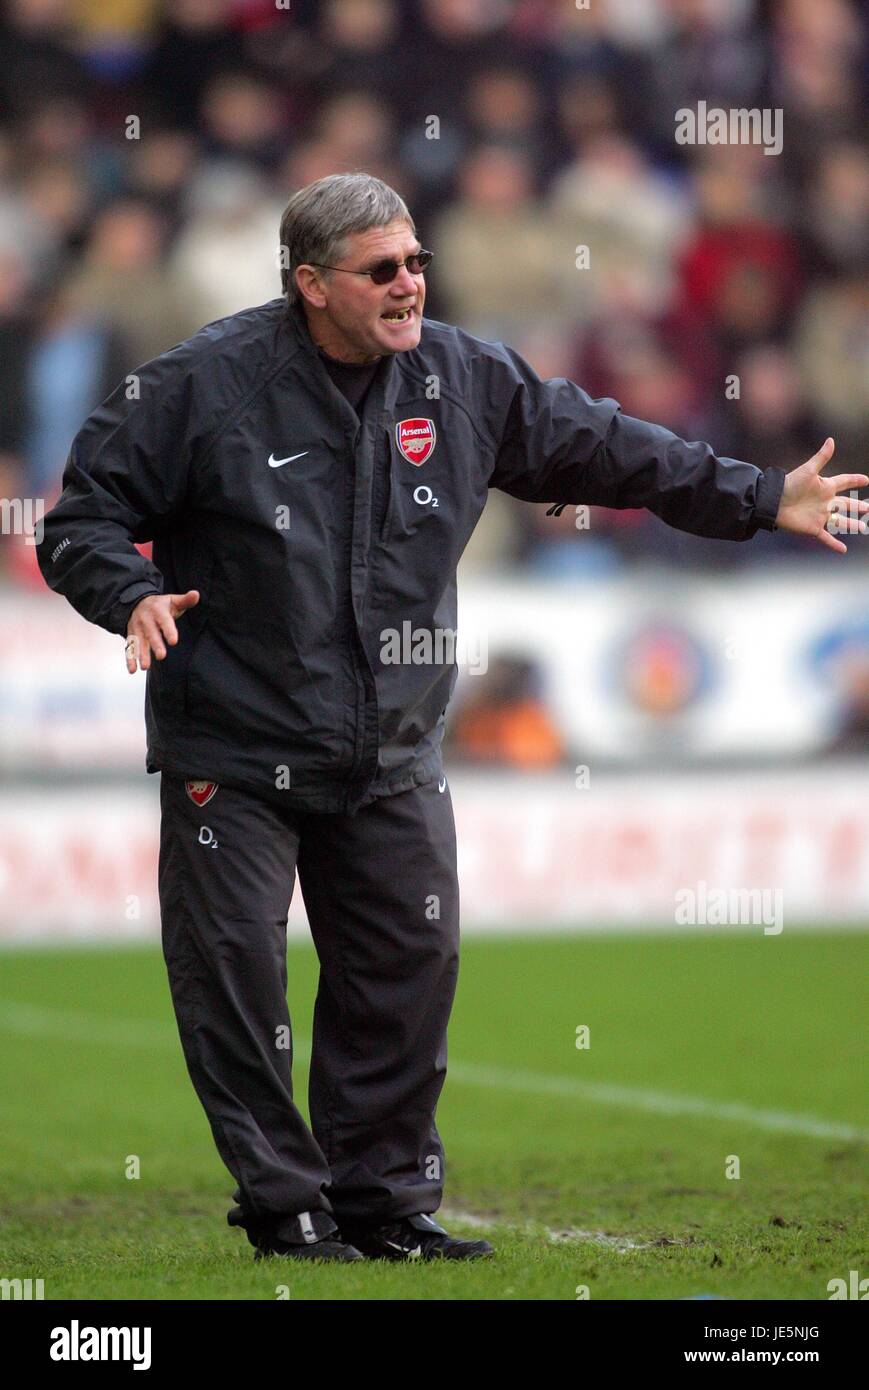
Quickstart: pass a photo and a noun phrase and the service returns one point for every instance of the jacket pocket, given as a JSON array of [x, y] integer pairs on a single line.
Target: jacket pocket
[[191, 658]]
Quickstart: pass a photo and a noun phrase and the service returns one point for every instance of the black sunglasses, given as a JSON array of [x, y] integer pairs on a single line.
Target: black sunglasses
[[385, 271]]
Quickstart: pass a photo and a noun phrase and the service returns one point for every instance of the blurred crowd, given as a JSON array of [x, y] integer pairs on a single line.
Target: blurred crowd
[[147, 150]]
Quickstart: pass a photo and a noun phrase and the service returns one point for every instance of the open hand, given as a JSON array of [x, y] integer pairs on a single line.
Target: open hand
[[810, 503], [152, 626]]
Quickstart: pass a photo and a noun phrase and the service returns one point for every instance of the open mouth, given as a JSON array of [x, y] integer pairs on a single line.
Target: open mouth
[[398, 315]]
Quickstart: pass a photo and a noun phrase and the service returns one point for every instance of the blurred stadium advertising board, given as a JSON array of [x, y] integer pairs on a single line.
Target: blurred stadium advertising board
[[67, 701], [633, 671], [635, 851], [658, 669], [748, 679]]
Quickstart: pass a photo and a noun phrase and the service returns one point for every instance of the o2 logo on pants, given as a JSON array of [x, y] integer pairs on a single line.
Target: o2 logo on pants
[[206, 837], [424, 497]]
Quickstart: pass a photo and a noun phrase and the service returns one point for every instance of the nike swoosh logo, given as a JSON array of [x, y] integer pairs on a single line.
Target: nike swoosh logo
[[442, 784], [278, 463]]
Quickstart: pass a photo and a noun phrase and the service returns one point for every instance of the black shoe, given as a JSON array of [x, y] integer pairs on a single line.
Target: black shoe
[[324, 1249], [311, 1235], [412, 1238]]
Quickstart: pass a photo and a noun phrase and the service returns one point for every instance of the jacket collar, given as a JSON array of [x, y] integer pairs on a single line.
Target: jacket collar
[[387, 379]]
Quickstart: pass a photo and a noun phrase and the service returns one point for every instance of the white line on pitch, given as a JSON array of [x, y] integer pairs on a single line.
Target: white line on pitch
[[659, 1102], [34, 1021]]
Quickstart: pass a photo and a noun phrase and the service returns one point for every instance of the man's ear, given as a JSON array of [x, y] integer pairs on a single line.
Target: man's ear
[[310, 286]]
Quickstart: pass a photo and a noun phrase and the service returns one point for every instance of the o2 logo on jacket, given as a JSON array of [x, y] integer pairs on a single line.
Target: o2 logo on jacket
[[415, 439]]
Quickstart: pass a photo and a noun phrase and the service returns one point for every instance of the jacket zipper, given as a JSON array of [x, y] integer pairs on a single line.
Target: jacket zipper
[[388, 488], [355, 645]]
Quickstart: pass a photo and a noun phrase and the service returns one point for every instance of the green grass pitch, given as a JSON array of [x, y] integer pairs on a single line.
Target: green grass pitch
[[602, 1167]]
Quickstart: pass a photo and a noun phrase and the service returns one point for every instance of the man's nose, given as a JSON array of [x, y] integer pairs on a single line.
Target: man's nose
[[404, 283]]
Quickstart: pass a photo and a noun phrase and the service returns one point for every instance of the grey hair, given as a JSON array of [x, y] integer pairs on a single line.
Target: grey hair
[[318, 219]]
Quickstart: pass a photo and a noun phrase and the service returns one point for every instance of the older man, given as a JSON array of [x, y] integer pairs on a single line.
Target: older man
[[309, 472]]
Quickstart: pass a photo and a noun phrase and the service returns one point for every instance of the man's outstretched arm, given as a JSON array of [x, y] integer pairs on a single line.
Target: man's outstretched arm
[[560, 445]]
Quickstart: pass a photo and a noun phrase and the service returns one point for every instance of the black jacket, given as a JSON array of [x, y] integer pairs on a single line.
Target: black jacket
[[302, 566]]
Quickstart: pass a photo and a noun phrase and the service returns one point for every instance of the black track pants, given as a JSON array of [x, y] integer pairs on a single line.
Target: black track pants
[[381, 895]]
